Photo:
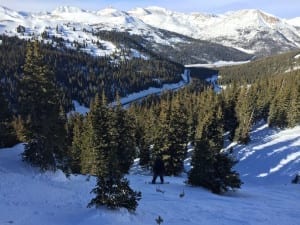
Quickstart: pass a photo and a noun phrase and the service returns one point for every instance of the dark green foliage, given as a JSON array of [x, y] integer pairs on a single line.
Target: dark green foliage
[[107, 151], [41, 112], [170, 135], [284, 106], [262, 68], [124, 138], [245, 114], [229, 107], [190, 51], [114, 194], [75, 131], [37, 153], [293, 113], [211, 168], [177, 138], [81, 76], [96, 138], [225, 177], [7, 133], [21, 29], [202, 173]]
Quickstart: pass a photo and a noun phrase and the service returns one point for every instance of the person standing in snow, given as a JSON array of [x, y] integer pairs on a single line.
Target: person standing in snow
[[158, 170], [296, 180]]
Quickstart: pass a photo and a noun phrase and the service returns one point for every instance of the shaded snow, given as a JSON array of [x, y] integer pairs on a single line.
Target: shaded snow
[[28, 197], [218, 64], [80, 108], [153, 90], [271, 154]]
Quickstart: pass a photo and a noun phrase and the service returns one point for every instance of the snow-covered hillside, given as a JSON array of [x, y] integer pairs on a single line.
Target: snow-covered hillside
[[248, 30], [252, 31], [266, 165], [73, 24], [295, 21]]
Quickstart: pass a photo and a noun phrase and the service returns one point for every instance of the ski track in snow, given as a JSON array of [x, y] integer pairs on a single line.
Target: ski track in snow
[[28, 197], [272, 154]]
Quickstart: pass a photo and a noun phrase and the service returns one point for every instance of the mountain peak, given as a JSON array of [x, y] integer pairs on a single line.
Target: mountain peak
[[67, 9], [110, 11], [139, 11], [7, 13], [254, 14], [294, 21], [158, 10]]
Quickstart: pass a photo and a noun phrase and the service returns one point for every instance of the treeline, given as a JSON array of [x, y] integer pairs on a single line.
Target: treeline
[[166, 125], [251, 72], [80, 76], [101, 143]]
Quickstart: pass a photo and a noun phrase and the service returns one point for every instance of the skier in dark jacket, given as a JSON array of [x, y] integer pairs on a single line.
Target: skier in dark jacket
[[296, 179], [158, 170]]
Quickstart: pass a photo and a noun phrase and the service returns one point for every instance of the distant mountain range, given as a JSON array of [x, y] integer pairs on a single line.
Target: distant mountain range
[[238, 35]]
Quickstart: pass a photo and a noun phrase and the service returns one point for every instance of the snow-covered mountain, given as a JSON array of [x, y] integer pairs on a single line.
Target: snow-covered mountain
[[267, 166], [74, 24], [294, 21], [251, 31]]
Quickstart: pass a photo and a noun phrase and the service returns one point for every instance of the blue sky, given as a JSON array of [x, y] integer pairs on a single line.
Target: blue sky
[[281, 8]]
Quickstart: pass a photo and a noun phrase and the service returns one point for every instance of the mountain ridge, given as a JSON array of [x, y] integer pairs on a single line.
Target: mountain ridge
[[251, 31]]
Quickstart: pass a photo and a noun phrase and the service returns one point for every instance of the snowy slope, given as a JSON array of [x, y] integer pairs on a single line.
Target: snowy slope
[[28, 197], [252, 31], [295, 21], [271, 157], [240, 29], [75, 24]]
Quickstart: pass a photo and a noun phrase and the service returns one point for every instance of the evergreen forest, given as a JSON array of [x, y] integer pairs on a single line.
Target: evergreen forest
[[38, 83]]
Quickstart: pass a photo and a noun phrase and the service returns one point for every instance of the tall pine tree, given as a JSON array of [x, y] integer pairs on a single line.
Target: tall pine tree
[[211, 168], [113, 145], [7, 134], [41, 111]]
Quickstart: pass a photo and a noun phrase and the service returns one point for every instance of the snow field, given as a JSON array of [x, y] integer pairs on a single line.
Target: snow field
[[28, 197]]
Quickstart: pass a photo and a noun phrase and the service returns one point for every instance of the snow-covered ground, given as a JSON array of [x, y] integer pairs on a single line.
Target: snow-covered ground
[[217, 64], [266, 165], [152, 90]]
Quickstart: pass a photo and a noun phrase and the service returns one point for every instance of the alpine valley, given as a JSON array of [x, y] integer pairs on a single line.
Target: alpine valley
[[95, 105]]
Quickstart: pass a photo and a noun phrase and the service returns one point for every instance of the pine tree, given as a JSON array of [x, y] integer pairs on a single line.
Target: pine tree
[[113, 144], [225, 177], [202, 171], [125, 138], [211, 168], [150, 127], [87, 153], [245, 115], [95, 138], [41, 111], [75, 128], [279, 107], [170, 137], [114, 194], [293, 114], [7, 134], [178, 138], [229, 104]]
